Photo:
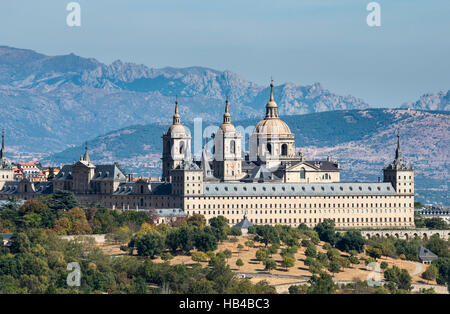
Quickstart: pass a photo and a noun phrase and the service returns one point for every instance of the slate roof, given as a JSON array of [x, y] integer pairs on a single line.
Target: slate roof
[[243, 224], [260, 174], [426, 255], [159, 188], [168, 212], [321, 165], [10, 187], [297, 189], [101, 172]]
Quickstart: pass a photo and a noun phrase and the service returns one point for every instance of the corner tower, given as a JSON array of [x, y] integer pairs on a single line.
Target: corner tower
[[176, 145], [399, 173]]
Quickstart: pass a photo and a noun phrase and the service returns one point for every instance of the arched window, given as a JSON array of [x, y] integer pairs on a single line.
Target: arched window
[[182, 147], [302, 173], [284, 150], [142, 189], [232, 147], [269, 148]]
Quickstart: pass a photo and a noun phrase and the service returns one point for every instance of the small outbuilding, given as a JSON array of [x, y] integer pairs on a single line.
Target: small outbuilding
[[243, 225], [426, 256]]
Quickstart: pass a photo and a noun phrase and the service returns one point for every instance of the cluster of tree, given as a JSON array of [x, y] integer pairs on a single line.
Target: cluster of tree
[[322, 284], [405, 249], [60, 213], [351, 240], [434, 223], [37, 262], [184, 236], [398, 280], [273, 237]]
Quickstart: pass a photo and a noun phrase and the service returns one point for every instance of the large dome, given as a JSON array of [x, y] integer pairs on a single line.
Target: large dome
[[272, 127]]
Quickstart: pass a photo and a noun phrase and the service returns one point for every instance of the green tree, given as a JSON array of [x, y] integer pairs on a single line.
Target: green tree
[[269, 264], [249, 244], [166, 256], [334, 267], [266, 234], [261, 254], [199, 256], [384, 265], [353, 259], [149, 244], [430, 273], [239, 263], [288, 261], [227, 253], [322, 285], [205, 241], [352, 240], [326, 231], [311, 251]]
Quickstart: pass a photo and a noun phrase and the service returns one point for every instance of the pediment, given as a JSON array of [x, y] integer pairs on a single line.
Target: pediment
[[300, 165]]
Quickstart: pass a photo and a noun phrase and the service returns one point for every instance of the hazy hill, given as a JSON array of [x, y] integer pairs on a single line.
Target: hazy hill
[[51, 102], [363, 141], [437, 101]]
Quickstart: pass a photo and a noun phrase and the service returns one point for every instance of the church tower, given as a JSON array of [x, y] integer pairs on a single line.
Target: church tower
[[227, 150], [176, 145], [83, 172], [399, 173], [6, 170]]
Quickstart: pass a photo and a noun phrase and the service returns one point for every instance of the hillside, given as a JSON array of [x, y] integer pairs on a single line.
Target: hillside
[[363, 141], [49, 103]]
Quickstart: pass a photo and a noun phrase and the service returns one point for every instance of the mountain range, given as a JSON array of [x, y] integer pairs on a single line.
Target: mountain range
[[51, 102]]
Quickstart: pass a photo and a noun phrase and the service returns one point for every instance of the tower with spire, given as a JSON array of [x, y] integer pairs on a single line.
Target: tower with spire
[[6, 169], [227, 150], [176, 145], [400, 173], [83, 172]]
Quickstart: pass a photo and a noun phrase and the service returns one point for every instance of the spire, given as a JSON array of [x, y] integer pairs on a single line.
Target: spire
[[226, 115], [271, 90], [86, 153], [398, 152], [207, 173], [176, 116], [2, 151], [271, 106]]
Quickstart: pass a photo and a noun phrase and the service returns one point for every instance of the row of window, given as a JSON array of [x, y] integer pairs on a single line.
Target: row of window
[[251, 212], [318, 220], [338, 205]]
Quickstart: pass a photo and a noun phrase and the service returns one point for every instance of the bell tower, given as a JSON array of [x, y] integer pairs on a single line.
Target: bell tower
[[227, 150], [399, 173], [176, 145]]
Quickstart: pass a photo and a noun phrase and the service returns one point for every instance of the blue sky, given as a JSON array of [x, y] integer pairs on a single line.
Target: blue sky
[[300, 41]]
